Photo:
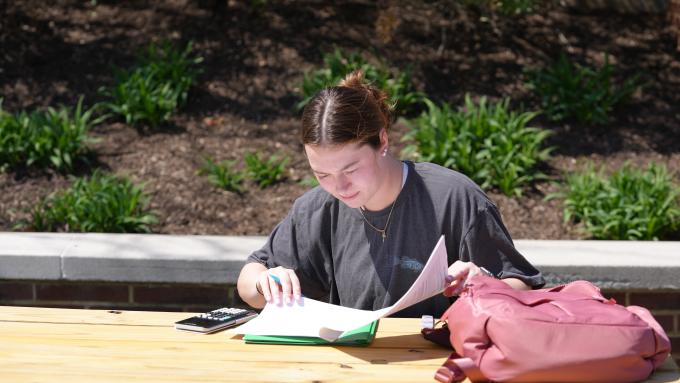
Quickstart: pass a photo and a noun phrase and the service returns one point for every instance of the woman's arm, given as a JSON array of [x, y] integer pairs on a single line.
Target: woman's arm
[[258, 285], [516, 283], [460, 272], [247, 282], [488, 244]]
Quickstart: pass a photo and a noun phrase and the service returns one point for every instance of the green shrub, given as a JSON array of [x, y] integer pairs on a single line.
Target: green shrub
[[53, 138], [630, 204], [488, 143], [309, 181], [516, 7], [338, 65], [156, 87], [102, 203], [568, 90], [505, 7], [265, 173], [222, 175], [258, 5]]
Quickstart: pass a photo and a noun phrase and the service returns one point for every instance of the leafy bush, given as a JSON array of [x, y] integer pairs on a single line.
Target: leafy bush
[[516, 7], [53, 138], [265, 173], [505, 7], [338, 65], [156, 87], [309, 181], [222, 175], [568, 90], [102, 203], [630, 204], [488, 143]]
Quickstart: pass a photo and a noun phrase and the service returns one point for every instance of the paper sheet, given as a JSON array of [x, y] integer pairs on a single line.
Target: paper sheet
[[318, 319]]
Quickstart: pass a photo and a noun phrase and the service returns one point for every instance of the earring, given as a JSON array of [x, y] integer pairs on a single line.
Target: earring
[[384, 153]]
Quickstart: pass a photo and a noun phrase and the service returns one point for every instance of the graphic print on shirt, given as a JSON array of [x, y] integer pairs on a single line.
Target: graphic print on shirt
[[409, 263]]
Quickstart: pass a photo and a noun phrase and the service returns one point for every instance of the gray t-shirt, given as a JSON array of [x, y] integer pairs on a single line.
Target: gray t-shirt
[[341, 259]]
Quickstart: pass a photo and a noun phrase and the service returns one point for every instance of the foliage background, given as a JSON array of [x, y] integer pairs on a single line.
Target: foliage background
[[255, 58]]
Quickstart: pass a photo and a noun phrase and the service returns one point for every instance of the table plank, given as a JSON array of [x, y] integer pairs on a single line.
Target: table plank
[[114, 317], [165, 343], [45, 345], [141, 318], [666, 373], [210, 372]]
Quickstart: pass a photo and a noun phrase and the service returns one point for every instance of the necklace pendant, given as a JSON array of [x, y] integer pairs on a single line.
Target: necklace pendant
[[384, 236]]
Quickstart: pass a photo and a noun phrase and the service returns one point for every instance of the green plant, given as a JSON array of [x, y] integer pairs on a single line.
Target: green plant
[[258, 5], [52, 138], [102, 203], [505, 7], [568, 90], [222, 175], [489, 143], [265, 173], [630, 204], [309, 181], [156, 87], [338, 65], [516, 7]]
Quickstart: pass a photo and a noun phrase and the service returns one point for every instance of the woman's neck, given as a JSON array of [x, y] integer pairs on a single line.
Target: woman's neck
[[391, 186]]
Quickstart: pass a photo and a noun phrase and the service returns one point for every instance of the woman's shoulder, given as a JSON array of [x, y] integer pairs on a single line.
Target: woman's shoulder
[[435, 174], [313, 200], [447, 182]]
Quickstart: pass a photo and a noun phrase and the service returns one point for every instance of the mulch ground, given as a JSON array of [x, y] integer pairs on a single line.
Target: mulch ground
[[254, 60]]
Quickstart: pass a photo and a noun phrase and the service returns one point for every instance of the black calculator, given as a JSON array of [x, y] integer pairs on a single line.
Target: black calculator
[[216, 320]]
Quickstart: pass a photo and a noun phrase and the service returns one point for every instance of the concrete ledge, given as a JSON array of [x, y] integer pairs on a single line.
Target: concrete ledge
[[218, 259], [124, 257], [609, 264]]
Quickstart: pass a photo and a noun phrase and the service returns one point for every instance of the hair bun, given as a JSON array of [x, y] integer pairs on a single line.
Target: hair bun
[[356, 80]]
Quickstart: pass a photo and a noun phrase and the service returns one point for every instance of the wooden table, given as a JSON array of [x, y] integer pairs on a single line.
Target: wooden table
[[62, 345]]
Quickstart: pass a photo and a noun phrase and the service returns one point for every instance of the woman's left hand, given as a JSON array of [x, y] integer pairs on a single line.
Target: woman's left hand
[[459, 273]]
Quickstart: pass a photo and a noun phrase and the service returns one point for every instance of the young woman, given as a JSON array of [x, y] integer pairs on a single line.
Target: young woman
[[361, 238]]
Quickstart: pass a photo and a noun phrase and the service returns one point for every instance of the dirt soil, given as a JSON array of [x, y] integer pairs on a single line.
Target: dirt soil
[[254, 60]]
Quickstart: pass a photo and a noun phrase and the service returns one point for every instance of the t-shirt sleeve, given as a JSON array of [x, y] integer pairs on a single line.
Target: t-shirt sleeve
[[296, 244], [487, 243]]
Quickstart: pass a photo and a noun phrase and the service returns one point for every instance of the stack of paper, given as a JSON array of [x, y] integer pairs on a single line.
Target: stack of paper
[[362, 336], [312, 318]]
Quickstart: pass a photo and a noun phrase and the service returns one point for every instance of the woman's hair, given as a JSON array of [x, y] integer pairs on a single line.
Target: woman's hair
[[352, 112]]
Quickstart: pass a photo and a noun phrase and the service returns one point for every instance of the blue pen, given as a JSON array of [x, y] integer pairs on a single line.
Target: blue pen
[[276, 279]]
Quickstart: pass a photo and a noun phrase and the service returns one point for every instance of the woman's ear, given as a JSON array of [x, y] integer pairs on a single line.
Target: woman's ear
[[384, 142]]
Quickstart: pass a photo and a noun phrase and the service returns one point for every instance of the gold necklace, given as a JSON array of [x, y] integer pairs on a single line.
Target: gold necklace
[[383, 232]]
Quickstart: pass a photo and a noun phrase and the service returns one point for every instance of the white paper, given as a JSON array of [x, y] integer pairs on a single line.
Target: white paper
[[318, 319]]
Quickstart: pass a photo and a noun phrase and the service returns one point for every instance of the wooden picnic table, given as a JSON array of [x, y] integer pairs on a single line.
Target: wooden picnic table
[[71, 345]]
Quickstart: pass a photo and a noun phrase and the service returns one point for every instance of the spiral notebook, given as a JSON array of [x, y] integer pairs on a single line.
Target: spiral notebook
[[363, 336]]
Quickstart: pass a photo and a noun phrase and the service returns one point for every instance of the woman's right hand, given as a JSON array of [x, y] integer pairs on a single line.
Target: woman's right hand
[[285, 290]]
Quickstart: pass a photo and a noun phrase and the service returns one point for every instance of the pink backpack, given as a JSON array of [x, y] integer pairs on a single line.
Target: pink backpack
[[568, 333]]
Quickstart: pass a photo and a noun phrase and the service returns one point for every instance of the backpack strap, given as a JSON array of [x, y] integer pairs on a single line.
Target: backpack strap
[[440, 335], [456, 369]]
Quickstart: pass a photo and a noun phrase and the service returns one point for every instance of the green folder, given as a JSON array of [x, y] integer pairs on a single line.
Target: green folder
[[363, 336]]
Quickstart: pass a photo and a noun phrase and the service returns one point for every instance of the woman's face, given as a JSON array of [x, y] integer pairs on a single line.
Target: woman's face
[[350, 172]]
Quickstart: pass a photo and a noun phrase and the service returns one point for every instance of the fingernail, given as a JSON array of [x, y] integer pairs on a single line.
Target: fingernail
[[449, 278]]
